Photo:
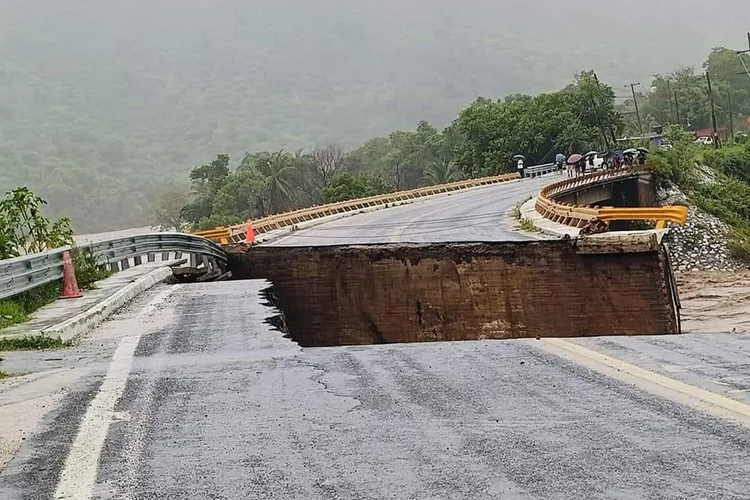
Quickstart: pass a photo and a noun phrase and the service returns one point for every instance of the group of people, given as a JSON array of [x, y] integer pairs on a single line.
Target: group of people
[[574, 168], [581, 163]]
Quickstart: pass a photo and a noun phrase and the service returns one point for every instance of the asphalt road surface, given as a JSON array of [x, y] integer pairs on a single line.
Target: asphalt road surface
[[189, 394], [478, 214]]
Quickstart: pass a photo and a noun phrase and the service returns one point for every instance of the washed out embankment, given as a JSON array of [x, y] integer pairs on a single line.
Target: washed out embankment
[[375, 294]]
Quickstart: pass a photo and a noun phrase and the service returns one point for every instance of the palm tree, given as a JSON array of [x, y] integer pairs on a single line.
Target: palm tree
[[442, 171], [278, 170]]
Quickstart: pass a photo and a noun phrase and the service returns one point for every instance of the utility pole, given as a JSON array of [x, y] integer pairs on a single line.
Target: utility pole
[[635, 102], [713, 111], [740, 53], [669, 101], [677, 109], [731, 118]]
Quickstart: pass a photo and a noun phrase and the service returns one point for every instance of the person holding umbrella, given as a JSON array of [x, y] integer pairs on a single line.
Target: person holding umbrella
[[520, 166], [576, 160], [642, 153], [629, 155], [559, 161]]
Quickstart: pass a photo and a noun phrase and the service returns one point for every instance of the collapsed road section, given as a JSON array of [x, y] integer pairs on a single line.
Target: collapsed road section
[[374, 294]]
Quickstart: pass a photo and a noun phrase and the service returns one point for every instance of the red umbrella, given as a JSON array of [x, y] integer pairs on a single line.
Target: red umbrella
[[574, 159]]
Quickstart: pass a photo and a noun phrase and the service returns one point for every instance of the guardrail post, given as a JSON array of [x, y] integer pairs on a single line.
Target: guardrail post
[[164, 256], [151, 257], [125, 263], [137, 260], [114, 266], [193, 260], [205, 262], [177, 255]]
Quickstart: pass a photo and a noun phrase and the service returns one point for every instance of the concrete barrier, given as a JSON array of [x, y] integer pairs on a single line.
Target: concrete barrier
[[414, 293]]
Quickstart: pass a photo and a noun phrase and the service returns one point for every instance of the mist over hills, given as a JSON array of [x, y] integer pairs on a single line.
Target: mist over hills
[[103, 103]]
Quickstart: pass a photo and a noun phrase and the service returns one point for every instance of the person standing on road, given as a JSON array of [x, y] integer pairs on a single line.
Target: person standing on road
[[520, 167], [560, 161]]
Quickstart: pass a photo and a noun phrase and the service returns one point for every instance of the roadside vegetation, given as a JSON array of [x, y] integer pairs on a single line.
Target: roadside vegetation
[[528, 225], [715, 180], [24, 230]]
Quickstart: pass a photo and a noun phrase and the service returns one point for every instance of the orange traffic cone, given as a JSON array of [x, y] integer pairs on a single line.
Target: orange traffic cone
[[250, 234], [70, 285]]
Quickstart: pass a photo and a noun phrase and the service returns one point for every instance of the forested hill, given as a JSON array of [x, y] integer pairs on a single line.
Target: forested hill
[[103, 102]]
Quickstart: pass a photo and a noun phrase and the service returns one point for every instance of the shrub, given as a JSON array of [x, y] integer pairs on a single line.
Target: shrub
[[87, 270]]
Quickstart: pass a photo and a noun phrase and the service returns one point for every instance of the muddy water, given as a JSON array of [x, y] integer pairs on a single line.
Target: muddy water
[[715, 302]]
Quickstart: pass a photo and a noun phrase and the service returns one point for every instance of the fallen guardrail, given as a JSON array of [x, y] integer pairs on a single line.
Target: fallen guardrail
[[27, 272], [578, 216], [237, 233]]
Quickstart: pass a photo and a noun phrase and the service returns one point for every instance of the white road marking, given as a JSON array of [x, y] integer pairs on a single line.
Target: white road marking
[[79, 472], [659, 385]]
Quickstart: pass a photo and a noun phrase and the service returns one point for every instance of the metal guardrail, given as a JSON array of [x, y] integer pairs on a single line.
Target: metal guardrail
[[237, 233], [25, 273], [578, 216], [538, 170]]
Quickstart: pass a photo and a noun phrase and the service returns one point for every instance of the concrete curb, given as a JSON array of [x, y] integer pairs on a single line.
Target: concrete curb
[[528, 211], [88, 319], [546, 226]]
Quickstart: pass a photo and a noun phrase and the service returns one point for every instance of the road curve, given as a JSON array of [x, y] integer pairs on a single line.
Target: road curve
[[476, 214]]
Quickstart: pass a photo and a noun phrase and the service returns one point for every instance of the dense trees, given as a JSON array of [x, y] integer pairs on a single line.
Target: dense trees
[[682, 96], [578, 117], [481, 141]]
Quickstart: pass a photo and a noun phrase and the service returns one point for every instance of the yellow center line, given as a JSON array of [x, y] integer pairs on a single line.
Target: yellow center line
[[701, 399]]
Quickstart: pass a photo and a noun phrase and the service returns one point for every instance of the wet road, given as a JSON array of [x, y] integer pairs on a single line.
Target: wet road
[[479, 214], [188, 393]]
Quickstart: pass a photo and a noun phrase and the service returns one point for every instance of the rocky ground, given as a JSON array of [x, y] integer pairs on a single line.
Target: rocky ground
[[714, 287], [700, 244]]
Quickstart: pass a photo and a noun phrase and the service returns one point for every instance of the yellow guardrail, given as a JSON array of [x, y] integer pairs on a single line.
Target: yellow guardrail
[[579, 216], [237, 233], [218, 235]]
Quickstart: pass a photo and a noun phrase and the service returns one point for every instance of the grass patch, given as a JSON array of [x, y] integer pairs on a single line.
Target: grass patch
[[17, 309], [33, 343], [11, 314], [4, 375], [528, 226], [516, 210]]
